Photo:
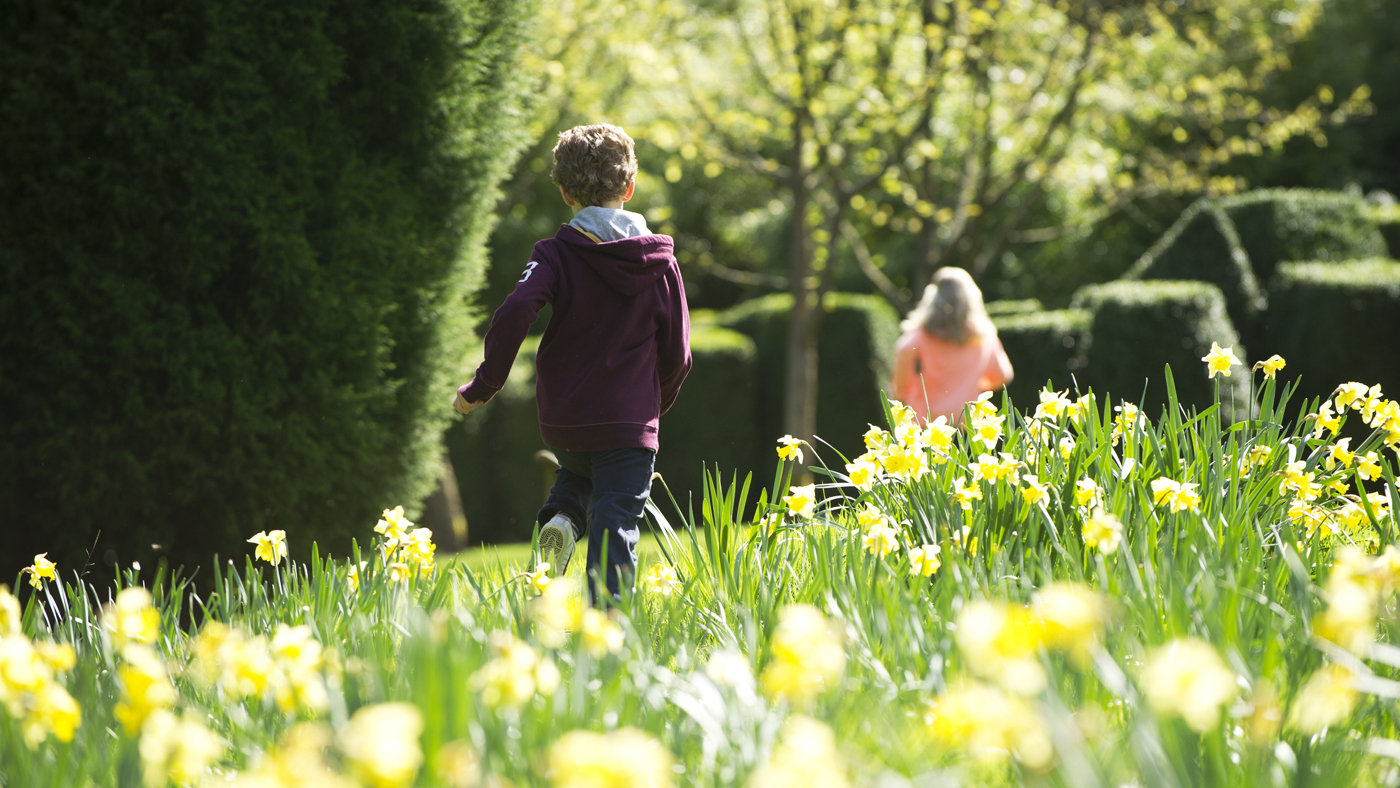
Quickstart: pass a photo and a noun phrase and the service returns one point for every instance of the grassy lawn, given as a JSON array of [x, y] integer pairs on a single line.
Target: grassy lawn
[[517, 554]]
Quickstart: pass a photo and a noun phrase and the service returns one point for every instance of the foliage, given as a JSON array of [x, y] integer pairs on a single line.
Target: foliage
[[1138, 326], [1016, 307], [1306, 299], [238, 246], [1237, 242], [1124, 600], [1045, 346]]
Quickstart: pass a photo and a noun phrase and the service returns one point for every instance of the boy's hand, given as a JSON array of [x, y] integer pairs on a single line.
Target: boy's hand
[[462, 406]]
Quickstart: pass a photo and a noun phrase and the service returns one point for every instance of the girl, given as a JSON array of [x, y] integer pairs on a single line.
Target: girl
[[949, 353]]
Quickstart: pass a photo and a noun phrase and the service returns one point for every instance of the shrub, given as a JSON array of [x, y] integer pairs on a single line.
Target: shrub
[[1138, 327], [1237, 242], [855, 353], [1337, 322], [1017, 307], [238, 242], [503, 485], [1044, 346]]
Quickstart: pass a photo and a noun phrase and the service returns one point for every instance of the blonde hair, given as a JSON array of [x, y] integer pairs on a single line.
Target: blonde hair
[[594, 164], [951, 309]]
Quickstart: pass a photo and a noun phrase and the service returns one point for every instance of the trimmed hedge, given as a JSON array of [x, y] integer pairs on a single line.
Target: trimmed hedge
[[1017, 307], [1337, 322], [1139, 327], [855, 352], [1044, 346], [1236, 242], [493, 451], [237, 244]]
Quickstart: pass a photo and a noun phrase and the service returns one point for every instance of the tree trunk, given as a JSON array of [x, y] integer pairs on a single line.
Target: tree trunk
[[800, 379]]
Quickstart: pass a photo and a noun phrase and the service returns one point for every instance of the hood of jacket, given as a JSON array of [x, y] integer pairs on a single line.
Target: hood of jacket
[[628, 265]]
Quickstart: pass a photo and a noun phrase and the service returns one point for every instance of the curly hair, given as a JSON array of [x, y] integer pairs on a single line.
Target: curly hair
[[594, 164]]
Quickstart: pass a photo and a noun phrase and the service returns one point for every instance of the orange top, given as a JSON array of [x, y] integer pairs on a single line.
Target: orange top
[[937, 378]]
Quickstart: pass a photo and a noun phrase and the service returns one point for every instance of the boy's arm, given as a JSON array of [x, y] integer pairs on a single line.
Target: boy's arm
[[509, 325], [673, 361]]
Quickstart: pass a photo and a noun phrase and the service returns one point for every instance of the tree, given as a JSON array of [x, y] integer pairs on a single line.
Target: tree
[[960, 122]]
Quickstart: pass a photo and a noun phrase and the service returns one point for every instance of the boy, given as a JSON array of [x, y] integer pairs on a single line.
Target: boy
[[611, 360]]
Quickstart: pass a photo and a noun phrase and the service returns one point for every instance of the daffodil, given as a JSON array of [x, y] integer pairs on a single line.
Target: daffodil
[[924, 561], [393, 525], [876, 438], [145, 687], [131, 618], [904, 463], [539, 579], [1187, 677], [177, 750], [990, 724], [964, 494], [661, 579], [1128, 421], [1103, 531], [808, 655], [1369, 466], [1272, 365], [1000, 642], [1327, 698], [1072, 617], [600, 635], [1034, 492], [938, 435], [988, 431], [43, 569], [1220, 359], [806, 757], [1338, 454], [1326, 420], [802, 501], [624, 758], [880, 540], [1053, 404], [870, 516], [790, 448], [515, 674], [982, 408], [272, 546], [1066, 446], [863, 471], [1086, 491], [380, 744]]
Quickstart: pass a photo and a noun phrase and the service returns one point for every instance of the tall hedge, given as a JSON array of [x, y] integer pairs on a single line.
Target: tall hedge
[[855, 352], [1139, 327], [236, 239], [1337, 322], [503, 484], [1044, 346], [1236, 242]]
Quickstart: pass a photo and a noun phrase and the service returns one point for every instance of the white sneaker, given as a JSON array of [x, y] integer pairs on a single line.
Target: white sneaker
[[557, 543]]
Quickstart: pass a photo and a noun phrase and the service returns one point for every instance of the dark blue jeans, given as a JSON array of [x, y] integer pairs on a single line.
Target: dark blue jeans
[[604, 493]]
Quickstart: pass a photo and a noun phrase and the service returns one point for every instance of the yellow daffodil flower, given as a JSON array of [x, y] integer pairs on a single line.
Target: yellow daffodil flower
[[808, 655], [661, 579], [538, 580], [623, 757], [1272, 365], [965, 495], [1034, 492], [1053, 404], [599, 634], [924, 561], [802, 501], [1220, 359], [43, 569], [1187, 677], [272, 546], [1103, 531], [1326, 700], [380, 744], [1369, 466], [790, 448], [880, 540], [1086, 491], [864, 471]]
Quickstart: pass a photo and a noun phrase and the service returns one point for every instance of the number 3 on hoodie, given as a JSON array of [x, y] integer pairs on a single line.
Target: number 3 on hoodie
[[529, 269]]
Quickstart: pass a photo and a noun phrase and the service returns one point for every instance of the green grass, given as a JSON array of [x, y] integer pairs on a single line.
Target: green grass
[[518, 554]]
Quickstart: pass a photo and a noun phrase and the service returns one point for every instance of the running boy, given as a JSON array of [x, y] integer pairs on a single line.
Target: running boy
[[611, 360]]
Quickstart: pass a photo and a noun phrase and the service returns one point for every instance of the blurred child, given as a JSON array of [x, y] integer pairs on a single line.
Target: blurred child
[[611, 360], [949, 353]]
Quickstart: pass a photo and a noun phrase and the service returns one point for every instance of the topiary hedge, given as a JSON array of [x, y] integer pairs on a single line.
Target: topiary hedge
[[238, 240], [1044, 346], [855, 352], [1017, 307], [1337, 322], [1236, 242], [1138, 327]]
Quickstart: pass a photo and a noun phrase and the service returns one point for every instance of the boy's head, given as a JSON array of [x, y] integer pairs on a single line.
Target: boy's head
[[594, 164]]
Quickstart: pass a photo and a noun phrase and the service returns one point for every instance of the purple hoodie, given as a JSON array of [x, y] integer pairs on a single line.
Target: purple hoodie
[[617, 346]]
